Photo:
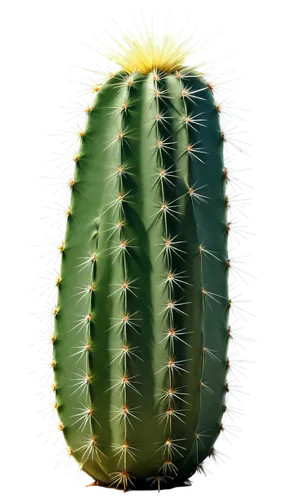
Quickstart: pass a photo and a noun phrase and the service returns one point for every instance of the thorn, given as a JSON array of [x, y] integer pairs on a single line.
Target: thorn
[[223, 137], [225, 173], [210, 87]]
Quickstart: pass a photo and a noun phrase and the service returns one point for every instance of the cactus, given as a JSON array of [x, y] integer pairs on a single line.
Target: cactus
[[141, 323]]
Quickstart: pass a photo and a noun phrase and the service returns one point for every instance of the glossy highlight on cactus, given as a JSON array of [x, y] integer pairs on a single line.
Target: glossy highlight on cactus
[[141, 322]]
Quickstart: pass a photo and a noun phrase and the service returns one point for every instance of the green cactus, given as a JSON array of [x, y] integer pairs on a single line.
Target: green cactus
[[141, 323]]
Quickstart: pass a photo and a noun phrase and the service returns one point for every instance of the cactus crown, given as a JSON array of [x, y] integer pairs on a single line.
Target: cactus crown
[[148, 53]]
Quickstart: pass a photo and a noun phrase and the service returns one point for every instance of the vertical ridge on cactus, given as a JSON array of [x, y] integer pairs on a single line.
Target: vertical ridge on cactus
[[141, 323]]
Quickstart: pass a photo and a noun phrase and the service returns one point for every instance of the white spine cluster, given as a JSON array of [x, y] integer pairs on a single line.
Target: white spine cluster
[[57, 179]]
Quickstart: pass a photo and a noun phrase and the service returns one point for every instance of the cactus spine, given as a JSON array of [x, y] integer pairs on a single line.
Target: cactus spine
[[141, 323]]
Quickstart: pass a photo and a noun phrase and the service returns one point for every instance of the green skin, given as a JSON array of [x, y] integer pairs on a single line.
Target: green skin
[[158, 284]]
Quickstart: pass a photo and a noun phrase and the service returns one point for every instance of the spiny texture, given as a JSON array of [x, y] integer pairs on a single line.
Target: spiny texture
[[141, 324]]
